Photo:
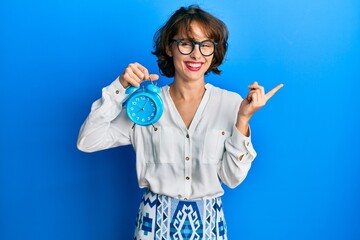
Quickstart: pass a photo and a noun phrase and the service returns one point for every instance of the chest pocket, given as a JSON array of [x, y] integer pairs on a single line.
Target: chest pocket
[[214, 145], [164, 145]]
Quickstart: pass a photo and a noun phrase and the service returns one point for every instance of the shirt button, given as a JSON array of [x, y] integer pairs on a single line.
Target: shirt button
[[187, 136], [187, 178], [117, 91], [187, 158], [223, 133], [185, 198]]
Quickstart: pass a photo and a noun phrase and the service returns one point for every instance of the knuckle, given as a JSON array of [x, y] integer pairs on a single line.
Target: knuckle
[[132, 65], [124, 75], [129, 67]]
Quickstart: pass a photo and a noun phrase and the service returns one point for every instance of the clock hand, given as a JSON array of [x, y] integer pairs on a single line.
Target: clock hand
[[143, 108]]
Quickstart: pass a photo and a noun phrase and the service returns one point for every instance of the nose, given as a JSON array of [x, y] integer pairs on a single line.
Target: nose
[[196, 52]]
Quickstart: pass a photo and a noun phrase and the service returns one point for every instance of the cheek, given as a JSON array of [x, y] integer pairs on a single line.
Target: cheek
[[211, 61], [177, 58]]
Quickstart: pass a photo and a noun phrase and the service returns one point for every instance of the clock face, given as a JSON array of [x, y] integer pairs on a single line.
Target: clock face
[[143, 109]]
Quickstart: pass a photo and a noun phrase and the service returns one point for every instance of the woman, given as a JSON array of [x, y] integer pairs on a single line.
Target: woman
[[201, 141]]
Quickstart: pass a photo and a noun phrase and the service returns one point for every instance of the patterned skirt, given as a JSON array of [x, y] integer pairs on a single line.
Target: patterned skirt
[[163, 218]]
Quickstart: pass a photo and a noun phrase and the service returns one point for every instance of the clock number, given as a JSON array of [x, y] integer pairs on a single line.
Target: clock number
[[142, 108]]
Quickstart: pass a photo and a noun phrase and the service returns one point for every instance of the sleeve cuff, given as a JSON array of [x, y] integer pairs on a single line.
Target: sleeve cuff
[[242, 142], [116, 91]]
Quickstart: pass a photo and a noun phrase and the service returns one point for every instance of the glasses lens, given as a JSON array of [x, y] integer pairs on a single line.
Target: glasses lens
[[207, 47], [185, 46]]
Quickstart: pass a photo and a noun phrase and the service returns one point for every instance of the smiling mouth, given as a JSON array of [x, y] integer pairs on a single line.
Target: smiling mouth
[[192, 66]]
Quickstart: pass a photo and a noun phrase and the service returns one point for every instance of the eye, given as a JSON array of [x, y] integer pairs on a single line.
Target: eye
[[186, 43], [207, 44]]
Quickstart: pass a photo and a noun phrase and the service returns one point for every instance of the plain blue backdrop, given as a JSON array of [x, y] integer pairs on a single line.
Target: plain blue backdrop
[[55, 56]]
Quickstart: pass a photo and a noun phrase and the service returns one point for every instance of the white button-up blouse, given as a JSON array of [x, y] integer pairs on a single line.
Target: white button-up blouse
[[171, 159]]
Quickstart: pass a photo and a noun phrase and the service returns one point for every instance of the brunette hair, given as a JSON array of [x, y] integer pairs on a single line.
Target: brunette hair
[[180, 22]]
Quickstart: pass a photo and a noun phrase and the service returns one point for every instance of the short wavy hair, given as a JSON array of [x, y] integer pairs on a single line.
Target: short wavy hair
[[180, 22]]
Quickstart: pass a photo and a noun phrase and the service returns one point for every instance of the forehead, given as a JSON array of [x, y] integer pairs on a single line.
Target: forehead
[[194, 30]]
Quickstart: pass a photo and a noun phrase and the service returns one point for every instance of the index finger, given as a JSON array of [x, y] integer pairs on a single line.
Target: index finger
[[147, 75], [143, 70], [273, 91]]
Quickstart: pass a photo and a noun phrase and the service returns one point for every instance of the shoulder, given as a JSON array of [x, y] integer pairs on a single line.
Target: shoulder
[[223, 94]]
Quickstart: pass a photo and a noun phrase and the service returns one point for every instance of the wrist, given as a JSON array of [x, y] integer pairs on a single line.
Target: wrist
[[242, 124], [124, 84], [243, 119]]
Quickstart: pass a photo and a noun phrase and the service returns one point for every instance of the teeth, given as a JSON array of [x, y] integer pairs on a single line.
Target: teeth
[[194, 65]]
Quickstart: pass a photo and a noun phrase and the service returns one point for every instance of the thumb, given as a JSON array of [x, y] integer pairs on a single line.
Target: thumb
[[153, 77]]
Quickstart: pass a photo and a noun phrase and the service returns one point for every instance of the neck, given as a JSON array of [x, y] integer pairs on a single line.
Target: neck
[[187, 90]]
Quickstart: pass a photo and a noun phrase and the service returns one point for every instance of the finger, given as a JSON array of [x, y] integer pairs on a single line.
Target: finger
[[138, 70], [145, 71], [255, 85], [153, 77], [131, 77], [273, 91], [147, 76], [253, 96], [257, 97], [141, 67]]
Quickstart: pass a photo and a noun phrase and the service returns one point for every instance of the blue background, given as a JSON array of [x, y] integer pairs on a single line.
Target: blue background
[[55, 56]]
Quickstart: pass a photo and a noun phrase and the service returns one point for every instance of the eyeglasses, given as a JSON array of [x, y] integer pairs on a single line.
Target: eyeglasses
[[186, 46]]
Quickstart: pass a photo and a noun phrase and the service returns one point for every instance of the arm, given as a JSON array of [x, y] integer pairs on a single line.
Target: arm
[[237, 159], [107, 125], [239, 152]]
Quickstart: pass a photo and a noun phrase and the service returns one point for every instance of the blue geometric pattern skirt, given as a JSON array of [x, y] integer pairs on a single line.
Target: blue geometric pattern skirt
[[164, 218]]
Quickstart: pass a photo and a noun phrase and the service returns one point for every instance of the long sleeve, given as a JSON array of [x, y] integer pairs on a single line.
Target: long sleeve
[[172, 159], [107, 125], [237, 159]]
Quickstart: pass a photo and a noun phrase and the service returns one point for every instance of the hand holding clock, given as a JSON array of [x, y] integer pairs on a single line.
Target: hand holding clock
[[255, 100], [134, 74], [144, 105]]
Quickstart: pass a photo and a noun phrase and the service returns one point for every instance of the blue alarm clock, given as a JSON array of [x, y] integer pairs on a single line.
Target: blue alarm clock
[[144, 106]]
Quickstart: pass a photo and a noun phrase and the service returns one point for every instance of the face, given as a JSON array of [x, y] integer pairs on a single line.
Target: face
[[190, 67]]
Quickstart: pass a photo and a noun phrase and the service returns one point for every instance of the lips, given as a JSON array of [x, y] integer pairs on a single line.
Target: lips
[[193, 66]]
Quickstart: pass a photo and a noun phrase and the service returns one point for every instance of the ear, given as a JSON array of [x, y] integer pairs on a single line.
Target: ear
[[169, 51]]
